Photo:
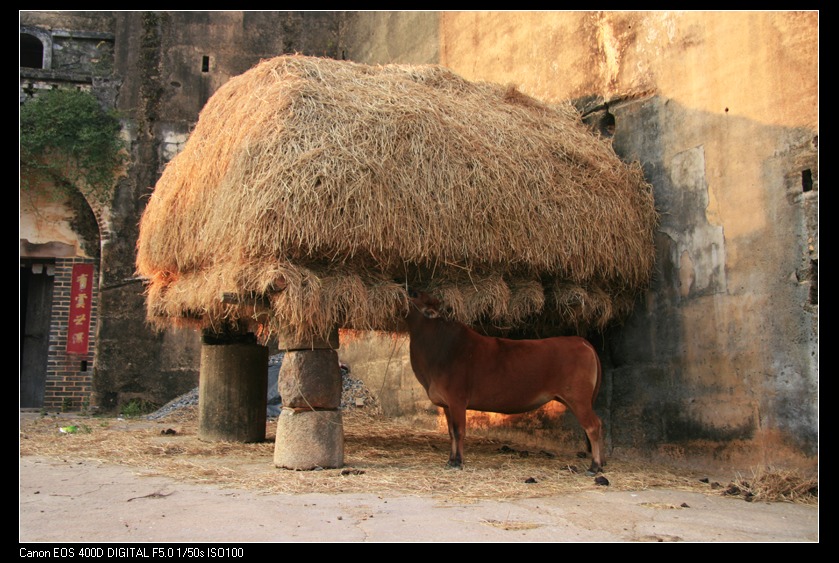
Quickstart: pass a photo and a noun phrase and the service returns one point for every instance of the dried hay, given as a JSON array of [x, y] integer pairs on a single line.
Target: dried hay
[[775, 485], [382, 456], [317, 190]]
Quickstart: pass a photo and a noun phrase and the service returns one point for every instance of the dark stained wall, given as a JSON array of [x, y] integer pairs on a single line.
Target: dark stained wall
[[170, 63]]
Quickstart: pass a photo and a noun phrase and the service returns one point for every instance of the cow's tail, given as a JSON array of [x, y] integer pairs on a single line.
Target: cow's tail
[[599, 376]]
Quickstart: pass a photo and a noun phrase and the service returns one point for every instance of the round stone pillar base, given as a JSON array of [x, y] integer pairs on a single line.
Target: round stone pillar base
[[308, 439]]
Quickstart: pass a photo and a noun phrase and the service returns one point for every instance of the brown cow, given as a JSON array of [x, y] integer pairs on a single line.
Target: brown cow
[[461, 369]]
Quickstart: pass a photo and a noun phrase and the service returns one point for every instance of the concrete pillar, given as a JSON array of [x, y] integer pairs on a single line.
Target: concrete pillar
[[310, 431], [232, 389]]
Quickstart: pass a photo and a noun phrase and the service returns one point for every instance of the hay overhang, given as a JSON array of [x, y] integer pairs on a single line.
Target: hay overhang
[[318, 190]]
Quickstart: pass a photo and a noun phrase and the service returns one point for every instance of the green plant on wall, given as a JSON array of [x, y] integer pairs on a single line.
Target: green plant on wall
[[67, 141]]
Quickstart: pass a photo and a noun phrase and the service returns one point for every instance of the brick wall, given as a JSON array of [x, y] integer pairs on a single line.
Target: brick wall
[[69, 376]]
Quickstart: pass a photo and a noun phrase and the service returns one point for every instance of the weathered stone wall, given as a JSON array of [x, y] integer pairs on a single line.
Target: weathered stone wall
[[382, 362], [722, 111], [391, 37], [170, 63], [720, 358], [94, 21]]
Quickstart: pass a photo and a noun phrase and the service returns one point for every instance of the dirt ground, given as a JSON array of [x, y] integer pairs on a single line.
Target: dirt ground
[[71, 492]]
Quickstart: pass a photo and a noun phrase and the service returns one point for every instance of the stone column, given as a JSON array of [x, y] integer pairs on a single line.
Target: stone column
[[310, 431], [232, 388]]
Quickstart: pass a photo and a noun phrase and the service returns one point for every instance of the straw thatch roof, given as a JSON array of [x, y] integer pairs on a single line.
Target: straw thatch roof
[[312, 192]]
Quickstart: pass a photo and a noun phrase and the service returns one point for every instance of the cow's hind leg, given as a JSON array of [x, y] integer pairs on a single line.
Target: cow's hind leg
[[456, 419], [594, 439], [593, 428]]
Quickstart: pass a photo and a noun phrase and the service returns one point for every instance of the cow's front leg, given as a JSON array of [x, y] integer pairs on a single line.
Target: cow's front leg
[[456, 419]]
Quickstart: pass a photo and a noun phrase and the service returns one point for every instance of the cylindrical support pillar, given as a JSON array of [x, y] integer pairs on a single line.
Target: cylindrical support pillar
[[310, 431], [232, 391]]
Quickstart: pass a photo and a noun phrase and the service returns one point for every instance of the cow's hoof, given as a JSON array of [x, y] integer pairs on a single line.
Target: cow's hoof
[[592, 471], [452, 465]]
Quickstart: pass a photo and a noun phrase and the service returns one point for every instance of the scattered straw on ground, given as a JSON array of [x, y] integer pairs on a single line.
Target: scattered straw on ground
[[775, 485], [382, 456]]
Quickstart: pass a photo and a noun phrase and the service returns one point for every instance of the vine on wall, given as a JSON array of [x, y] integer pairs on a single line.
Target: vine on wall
[[67, 141]]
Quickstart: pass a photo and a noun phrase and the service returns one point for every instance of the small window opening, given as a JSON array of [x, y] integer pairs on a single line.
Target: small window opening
[[31, 51], [83, 366], [205, 63], [814, 282], [806, 180]]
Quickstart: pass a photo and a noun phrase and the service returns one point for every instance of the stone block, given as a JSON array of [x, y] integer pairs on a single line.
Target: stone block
[[309, 439], [310, 379]]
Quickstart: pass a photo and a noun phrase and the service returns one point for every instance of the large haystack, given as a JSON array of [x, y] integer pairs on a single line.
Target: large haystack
[[313, 192]]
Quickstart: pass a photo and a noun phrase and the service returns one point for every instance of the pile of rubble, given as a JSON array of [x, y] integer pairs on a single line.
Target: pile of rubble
[[354, 394]]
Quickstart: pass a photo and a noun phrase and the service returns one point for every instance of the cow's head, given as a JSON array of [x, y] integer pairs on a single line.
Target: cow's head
[[425, 303]]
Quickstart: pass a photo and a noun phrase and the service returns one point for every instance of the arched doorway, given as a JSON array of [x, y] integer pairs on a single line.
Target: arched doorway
[[59, 239]]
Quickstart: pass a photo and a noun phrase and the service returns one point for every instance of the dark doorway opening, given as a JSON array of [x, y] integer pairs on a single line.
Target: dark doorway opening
[[36, 287]]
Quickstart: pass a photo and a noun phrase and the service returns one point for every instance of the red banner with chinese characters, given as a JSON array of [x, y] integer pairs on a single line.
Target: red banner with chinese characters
[[81, 294]]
